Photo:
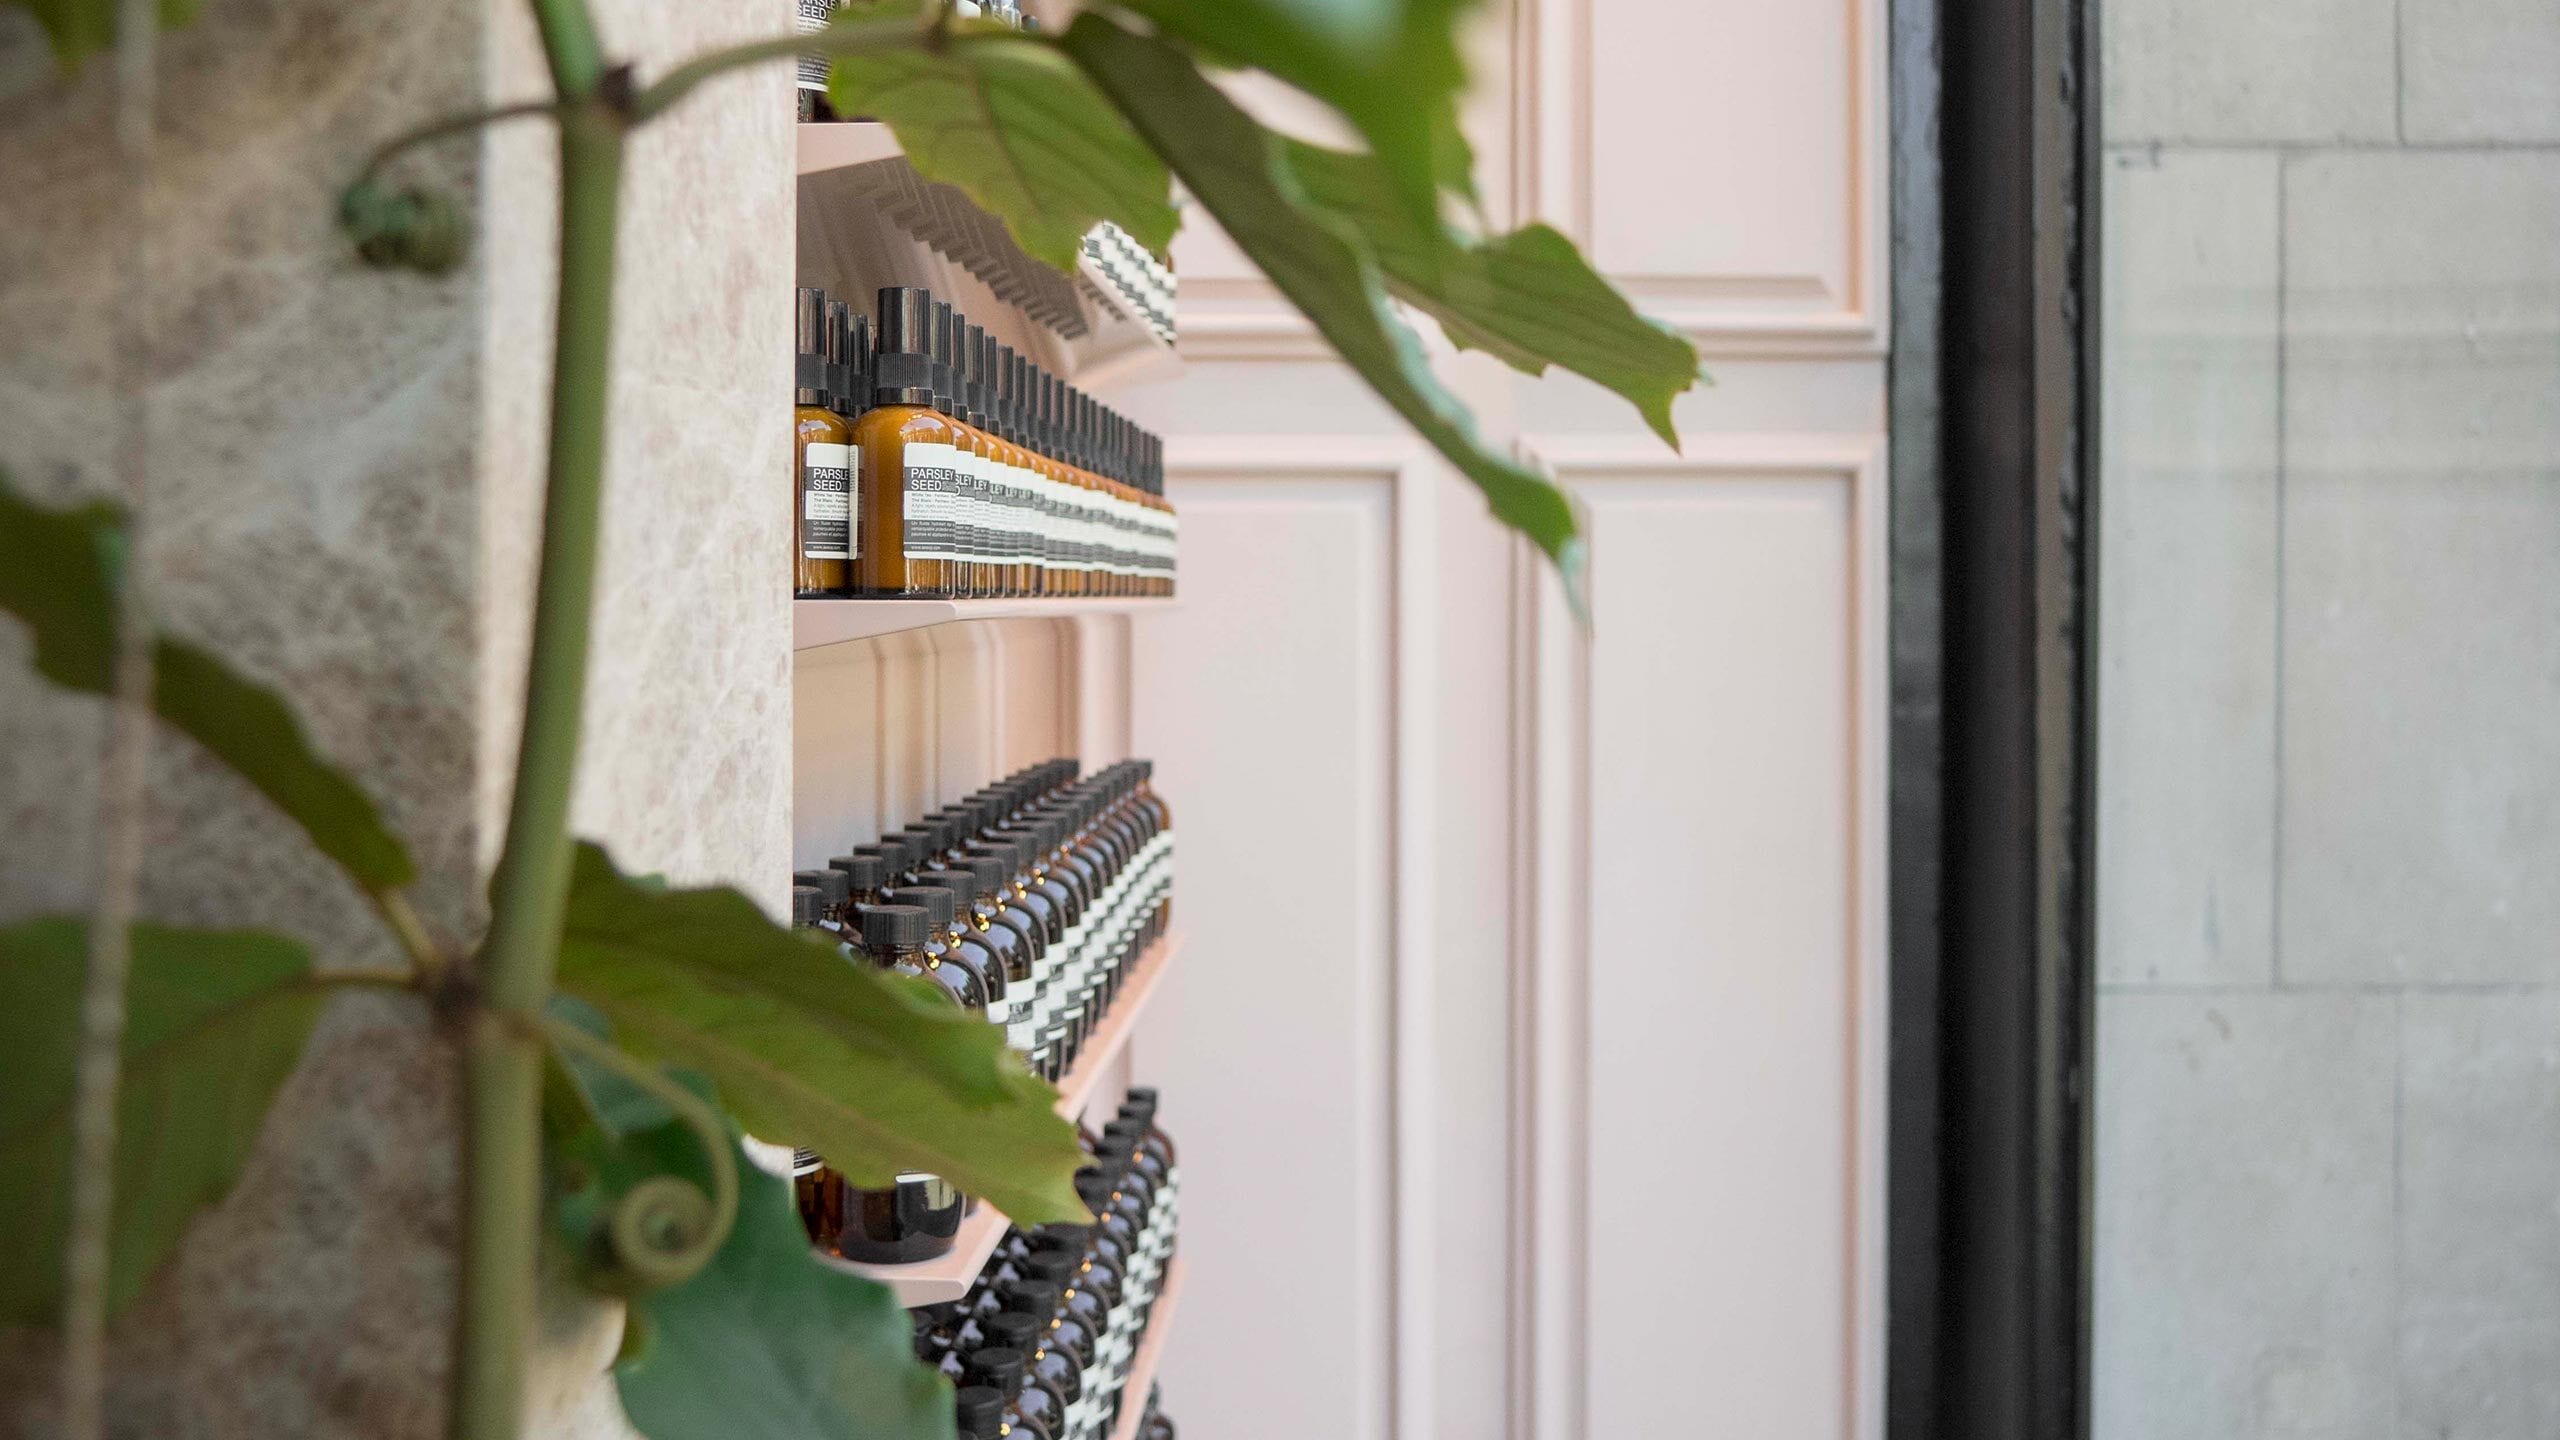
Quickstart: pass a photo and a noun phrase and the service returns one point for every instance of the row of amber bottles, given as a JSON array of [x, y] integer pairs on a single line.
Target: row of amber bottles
[[1028, 902], [964, 470], [1042, 1343]]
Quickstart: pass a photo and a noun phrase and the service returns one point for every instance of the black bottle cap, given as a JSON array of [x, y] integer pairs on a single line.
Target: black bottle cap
[[929, 837], [893, 850], [833, 884], [1139, 1095], [866, 873], [991, 873], [1051, 1267], [1035, 1298], [1013, 1328], [902, 354], [839, 356], [937, 339], [809, 339], [958, 882], [996, 1366], [857, 363], [807, 905], [979, 1408], [937, 903], [886, 926]]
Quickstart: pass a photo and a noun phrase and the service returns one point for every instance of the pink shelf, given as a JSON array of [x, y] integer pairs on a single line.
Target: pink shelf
[[1142, 1365], [834, 622]]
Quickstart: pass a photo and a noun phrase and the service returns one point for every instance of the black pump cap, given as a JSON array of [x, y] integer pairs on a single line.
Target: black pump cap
[[886, 926], [809, 340], [862, 872], [902, 358], [937, 339], [979, 1408], [996, 1366], [937, 903], [807, 905], [839, 356], [833, 884]]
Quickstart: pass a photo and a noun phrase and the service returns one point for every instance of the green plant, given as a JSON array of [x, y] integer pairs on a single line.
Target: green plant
[[611, 1030]]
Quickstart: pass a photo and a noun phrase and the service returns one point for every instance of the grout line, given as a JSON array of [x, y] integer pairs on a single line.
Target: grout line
[[2399, 1180], [2399, 71], [2336, 146], [2483, 989], [2276, 637]]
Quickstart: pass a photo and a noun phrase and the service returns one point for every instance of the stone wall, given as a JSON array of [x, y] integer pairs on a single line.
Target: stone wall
[[2329, 1010], [344, 483]]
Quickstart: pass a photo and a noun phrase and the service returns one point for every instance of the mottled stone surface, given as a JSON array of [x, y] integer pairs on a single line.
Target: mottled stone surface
[[344, 486]]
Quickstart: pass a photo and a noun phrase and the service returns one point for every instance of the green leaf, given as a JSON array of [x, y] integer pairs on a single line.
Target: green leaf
[[81, 28], [621, 1136], [1393, 68], [1527, 297], [214, 1021], [1232, 168], [813, 1050], [58, 574], [767, 1343], [1008, 120]]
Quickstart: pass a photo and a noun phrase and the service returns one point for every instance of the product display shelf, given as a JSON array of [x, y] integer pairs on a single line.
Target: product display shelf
[[948, 1277], [836, 622], [1150, 1352], [1107, 338]]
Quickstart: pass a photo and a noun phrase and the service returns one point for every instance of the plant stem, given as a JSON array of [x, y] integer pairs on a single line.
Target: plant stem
[[503, 1143], [569, 42], [845, 38], [97, 1073], [408, 140]]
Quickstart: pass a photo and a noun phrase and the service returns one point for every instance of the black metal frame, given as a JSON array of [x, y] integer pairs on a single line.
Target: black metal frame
[[1993, 413]]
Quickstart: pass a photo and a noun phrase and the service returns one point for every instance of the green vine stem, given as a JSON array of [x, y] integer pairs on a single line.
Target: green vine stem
[[502, 1146]]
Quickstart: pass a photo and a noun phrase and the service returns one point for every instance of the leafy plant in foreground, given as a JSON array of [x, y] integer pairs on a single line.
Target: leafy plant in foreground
[[615, 1036]]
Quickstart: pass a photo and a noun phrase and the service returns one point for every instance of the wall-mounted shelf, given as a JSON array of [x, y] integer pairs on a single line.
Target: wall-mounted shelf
[[1150, 1352], [931, 1282], [854, 172], [834, 622]]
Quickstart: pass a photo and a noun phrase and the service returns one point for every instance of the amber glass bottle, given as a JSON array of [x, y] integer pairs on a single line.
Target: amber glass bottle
[[821, 463], [903, 454]]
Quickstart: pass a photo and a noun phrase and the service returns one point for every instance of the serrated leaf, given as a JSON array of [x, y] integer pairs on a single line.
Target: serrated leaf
[[1231, 165], [1393, 68], [1008, 120], [811, 1049], [58, 574], [1527, 297], [766, 1343], [81, 28], [214, 1021]]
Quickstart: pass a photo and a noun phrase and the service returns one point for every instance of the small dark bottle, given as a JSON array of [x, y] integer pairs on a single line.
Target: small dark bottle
[[823, 522], [866, 877], [894, 937], [1050, 1364], [832, 893], [986, 984], [979, 1412], [1029, 1407], [1039, 1300]]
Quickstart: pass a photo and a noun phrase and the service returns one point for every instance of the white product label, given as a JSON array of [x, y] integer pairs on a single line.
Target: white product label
[[813, 68], [932, 482], [826, 503]]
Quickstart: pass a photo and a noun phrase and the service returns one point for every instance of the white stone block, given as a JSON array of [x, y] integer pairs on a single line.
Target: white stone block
[[2249, 70], [2187, 605]]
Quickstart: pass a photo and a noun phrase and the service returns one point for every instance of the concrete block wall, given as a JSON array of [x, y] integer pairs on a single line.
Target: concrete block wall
[[2329, 1009]]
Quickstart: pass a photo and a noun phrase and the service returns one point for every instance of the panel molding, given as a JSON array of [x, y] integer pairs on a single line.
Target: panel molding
[[1406, 1325], [1550, 959], [1781, 316]]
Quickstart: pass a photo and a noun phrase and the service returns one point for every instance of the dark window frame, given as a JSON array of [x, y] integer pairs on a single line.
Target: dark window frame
[[1993, 409]]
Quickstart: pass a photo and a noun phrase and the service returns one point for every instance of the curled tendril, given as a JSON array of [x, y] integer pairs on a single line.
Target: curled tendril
[[664, 1228]]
